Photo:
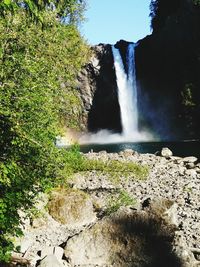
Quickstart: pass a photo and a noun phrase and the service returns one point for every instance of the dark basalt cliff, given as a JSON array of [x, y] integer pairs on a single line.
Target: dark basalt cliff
[[168, 76], [168, 73], [98, 88]]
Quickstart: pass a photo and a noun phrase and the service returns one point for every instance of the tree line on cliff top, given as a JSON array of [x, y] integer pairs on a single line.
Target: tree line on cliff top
[[160, 10]]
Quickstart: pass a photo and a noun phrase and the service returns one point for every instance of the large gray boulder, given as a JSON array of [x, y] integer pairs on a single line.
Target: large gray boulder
[[50, 261], [126, 239], [72, 207]]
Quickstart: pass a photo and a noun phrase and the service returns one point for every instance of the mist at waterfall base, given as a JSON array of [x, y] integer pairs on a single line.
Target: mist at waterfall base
[[127, 97]]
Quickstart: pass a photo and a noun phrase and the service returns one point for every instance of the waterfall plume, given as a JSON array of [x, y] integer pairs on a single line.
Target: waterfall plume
[[127, 91]]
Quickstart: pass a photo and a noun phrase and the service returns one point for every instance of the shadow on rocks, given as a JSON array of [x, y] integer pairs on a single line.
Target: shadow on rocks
[[148, 241], [127, 238]]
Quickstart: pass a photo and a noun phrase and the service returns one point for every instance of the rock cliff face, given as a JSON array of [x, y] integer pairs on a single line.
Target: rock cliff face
[[168, 73], [98, 88], [167, 69]]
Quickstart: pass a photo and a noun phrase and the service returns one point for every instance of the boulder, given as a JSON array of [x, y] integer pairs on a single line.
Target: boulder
[[127, 238], [50, 261], [56, 251], [71, 207]]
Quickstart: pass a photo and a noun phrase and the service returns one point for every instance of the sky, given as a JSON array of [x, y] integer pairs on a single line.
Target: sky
[[108, 21]]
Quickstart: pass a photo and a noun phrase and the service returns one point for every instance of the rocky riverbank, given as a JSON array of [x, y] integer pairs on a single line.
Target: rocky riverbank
[[105, 221]]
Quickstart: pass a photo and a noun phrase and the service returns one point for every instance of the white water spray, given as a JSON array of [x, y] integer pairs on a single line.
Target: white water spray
[[127, 92]]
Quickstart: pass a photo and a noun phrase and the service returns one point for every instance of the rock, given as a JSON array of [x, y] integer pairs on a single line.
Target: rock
[[197, 170], [26, 243], [119, 241], [190, 165], [165, 209], [57, 251], [191, 173], [182, 170], [115, 238], [128, 152], [189, 159], [97, 86], [183, 252], [166, 152], [72, 207], [50, 261]]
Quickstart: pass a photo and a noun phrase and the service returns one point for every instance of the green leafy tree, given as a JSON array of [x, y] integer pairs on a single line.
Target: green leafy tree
[[38, 66], [71, 10]]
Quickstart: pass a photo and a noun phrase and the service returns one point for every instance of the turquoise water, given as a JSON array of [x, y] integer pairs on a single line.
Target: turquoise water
[[182, 149]]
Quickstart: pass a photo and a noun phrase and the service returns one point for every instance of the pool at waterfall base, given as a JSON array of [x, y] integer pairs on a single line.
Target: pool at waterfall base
[[179, 148]]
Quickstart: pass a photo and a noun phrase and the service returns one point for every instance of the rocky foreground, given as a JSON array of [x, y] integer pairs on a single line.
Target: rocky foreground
[[100, 221]]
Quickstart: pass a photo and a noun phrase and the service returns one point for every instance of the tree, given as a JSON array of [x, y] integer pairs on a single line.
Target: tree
[[71, 10], [160, 10], [34, 62]]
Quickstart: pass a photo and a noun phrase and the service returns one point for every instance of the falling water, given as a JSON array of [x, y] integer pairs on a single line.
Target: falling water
[[132, 85], [127, 92]]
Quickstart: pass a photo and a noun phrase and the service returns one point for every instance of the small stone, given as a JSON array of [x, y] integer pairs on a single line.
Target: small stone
[[57, 251], [197, 170], [191, 173], [166, 152], [190, 165], [190, 159], [128, 152], [182, 170]]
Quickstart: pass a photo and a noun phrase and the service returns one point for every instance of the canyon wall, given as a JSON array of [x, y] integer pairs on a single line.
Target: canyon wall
[[98, 91], [168, 73]]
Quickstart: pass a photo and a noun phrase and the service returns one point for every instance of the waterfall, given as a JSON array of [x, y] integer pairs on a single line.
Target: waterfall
[[127, 91], [127, 97]]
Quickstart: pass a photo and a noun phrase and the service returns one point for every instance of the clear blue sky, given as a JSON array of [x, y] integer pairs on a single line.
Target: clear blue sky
[[111, 20]]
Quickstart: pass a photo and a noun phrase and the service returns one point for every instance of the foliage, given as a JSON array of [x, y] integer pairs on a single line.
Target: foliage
[[119, 199], [196, 2], [34, 63], [69, 10], [187, 96], [115, 169], [160, 10]]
